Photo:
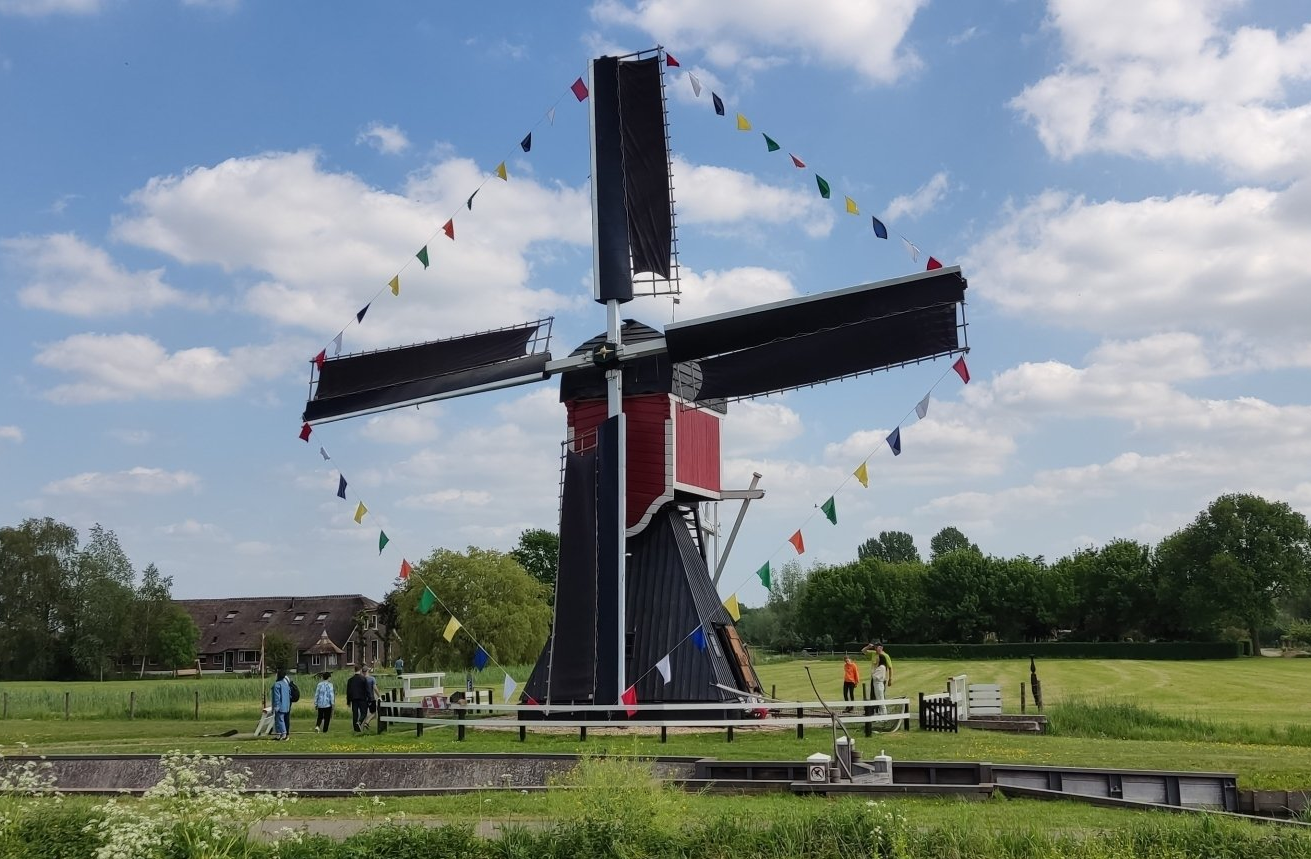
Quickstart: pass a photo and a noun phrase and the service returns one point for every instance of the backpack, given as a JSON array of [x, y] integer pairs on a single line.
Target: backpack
[[295, 690]]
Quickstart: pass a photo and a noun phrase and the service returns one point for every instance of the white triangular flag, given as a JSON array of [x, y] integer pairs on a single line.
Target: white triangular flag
[[696, 84], [663, 667], [923, 408], [550, 116], [508, 691], [336, 345], [911, 249], [323, 453]]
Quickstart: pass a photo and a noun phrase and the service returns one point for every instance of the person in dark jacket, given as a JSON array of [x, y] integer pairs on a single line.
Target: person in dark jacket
[[357, 696]]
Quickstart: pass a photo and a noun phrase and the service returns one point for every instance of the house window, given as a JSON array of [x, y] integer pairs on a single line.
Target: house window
[[248, 656], [201, 659], [300, 615], [350, 653], [314, 660], [231, 615], [323, 615], [375, 650], [373, 621], [268, 613]]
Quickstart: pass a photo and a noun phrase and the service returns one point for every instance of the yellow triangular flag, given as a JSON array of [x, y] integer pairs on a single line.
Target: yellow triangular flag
[[452, 628], [359, 513], [500, 171], [852, 208], [742, 123], [395, 285], [733, 610], [862, 474]]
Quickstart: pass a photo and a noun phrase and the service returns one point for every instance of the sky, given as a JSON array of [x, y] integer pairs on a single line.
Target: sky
[[196, 196]]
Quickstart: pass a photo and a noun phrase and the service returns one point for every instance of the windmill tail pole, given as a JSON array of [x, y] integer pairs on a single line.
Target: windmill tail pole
[[834, 723]]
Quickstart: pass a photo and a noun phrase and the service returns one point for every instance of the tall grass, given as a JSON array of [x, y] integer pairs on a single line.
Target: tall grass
[[1128, 720]]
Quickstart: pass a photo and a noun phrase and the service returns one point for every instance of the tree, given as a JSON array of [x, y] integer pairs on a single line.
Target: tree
[[949, 539], [498, 604], [1113, 590], [895, 547], [1240, 558], [538, 552], [174, 641], [36, 568], [152, 604], [279, 651]]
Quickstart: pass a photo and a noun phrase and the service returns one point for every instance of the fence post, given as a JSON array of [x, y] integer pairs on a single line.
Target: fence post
[[1022, 710], [773, 691], [459, 723], [523, 733], [6, 709], [66, 694], [730, 733], [197, 705], [582, 732], [664, 731], [801, 729], [132, 704]]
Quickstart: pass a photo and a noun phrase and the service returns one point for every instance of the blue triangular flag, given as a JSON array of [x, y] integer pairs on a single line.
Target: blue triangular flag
[[480, 658], [527, 143], [719, 104], [894, 441], [359, 317], [880, 230], [699, 638], [341, 486], [470, 202]]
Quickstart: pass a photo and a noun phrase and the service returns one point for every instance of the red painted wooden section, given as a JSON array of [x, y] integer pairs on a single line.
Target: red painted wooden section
[[696, 438], [649, 475]]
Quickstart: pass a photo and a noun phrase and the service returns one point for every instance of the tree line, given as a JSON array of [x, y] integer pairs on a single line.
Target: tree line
[[70, 610], [1241, 569]]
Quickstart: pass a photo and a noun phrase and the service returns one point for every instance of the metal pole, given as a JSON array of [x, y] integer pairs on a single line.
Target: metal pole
[[615, 404], [720, 560]]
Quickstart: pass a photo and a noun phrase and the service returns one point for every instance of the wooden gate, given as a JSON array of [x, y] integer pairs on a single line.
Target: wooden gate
[[938, 713]]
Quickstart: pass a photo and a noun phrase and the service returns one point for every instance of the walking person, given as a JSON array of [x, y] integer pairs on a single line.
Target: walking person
[[281, 703], [357, 696], [850, 679], [372, 697], [325, 696]]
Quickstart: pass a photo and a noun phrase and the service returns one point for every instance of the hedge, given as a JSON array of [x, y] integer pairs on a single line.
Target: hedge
[[1072, 650]]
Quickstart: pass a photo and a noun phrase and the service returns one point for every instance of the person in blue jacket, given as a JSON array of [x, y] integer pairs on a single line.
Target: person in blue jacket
[[281, 703]]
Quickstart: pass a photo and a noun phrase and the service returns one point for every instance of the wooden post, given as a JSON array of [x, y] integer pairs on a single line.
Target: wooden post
[[582, 732], [132, 705], [730, 733], [801, 729], [1022, 697], [459, 724], [197, 705], [6, 706], [66, 706], [869, 726], [523, 733], [664, 731], [773, 691]]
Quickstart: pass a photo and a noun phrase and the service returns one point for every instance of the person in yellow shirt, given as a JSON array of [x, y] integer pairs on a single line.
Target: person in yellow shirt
[[850, 679]]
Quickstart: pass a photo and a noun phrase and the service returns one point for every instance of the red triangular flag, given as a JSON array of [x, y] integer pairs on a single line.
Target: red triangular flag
[[320, 358], [405, 569], [449, 229], [530, 701], [580, 89], [630, 698], [305, 432], [797, 161], [933, 263], [798, 543], [670, 61], [962, 370]]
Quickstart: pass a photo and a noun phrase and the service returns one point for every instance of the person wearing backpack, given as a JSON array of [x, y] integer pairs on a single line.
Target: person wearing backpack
[[281, 703]]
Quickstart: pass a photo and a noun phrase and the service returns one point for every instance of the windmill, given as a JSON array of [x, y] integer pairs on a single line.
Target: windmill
[[644, 410]]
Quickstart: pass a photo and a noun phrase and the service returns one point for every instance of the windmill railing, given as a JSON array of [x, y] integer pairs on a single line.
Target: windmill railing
[[881, 714]]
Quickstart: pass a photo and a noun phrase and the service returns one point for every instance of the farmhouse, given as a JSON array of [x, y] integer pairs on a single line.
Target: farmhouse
[[328, 632]]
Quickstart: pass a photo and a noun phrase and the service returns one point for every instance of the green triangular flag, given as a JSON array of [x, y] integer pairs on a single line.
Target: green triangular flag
[[830, 508], [382, 541], [423, 252], [427, 601], [823, 186], [763, 572], [773, 147]]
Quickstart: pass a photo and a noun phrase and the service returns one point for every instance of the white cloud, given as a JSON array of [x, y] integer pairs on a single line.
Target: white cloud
[[11, 433], [921, 201], [69, 276], [710, 292], [136, 481], [753, 428], [387, 139], [966, 35], [190, 529], [1165, 79], [862, 35], [412, 426], [133, 366], [720, 195], [132, 436], [42, 8]]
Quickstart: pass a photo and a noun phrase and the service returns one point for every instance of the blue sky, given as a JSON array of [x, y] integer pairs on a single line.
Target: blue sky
[[196, 196]]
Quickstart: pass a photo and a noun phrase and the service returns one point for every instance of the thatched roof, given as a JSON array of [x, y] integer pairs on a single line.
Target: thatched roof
[[236, 623]]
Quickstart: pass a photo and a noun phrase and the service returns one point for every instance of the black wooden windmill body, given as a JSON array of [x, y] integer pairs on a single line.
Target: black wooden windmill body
[[644, 411]]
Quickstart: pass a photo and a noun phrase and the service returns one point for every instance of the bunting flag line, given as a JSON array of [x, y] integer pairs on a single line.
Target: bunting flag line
[[336, 344], [800, 165], [719, 103], [527, 143], [670, 62], [359, 513], [426, 601], [894, 441], [770, 145], [852, 208], [962, 370], [830, 508], [734, 610], [743, 124], [305, 431], [359, 316], [798, 542], [862, 474], [507, 689], [480, 658], [406, 569], [383, 540], [922, 407], [879, 230], [320, 358], [933, 263], [341, 487], [663, 667], [452, 627], [629, 697], [823, 186], [579, 90], [395, 282], [500, 171], [469, 202], [422, 256], [763, 572], [449, 229], [699, 638], [696, 84], [911, 249], [323, 453]]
